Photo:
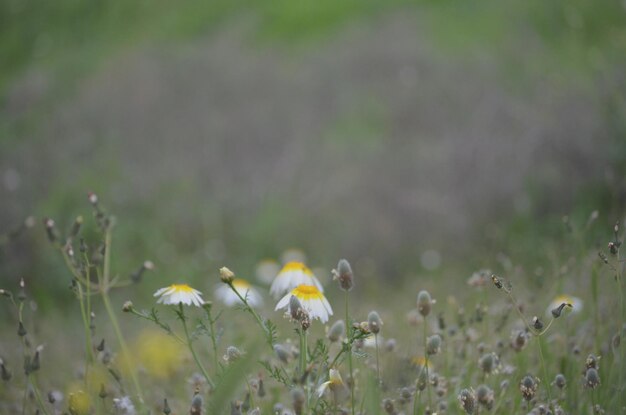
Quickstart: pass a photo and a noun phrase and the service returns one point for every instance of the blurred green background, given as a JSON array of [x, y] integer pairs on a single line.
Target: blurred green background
[[408, 137]]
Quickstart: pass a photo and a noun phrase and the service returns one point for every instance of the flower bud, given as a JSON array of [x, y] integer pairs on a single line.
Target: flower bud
[[374, 322], [433, 344], [196, 405], [282, 353], [166, 407], [556, 312], [226, 275], [489, 362], [424, 303], [559, 381], [537, 324], [127, 307], [232, 354], [344, 275], [297, 398], [336, 331]]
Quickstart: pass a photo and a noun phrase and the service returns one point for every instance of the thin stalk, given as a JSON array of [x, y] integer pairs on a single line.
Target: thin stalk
[[377, 360], [620, 331], [191, 349], [89, 358], [213, 338], [351, 384], [255, 315], [430, 404], [40, 401], [545, 371]]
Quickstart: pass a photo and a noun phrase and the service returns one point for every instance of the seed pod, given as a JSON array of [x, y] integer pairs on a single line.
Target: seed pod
[[424, 303], [374, 322]]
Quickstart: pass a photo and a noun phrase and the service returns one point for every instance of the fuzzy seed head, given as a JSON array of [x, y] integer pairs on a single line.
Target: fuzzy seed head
[[336, 331], [528, 386], [485, 396], [344, 275], [559, 381], [424, 303], [467, 400], [433, 344], [374, 322], [592, 378]]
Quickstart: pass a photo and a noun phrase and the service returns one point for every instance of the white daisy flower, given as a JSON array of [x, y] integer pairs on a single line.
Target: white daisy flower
[[179, 293], [577, 304], [334, 384], [292, 275], [312, 300], [266, 270], [226, 295]]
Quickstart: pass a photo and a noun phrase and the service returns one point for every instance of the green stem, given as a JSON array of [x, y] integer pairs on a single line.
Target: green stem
[[545, 371], [620, 332], [255, 315], [377, 361], [213, 337], [426, 366], [349, 351], [191, 349], [40, 402]]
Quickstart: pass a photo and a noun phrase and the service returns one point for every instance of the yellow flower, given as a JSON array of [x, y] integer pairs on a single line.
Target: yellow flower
[[311, 299], [179, 293], [225, 294], [158, 353], [420, 362], [292, 275], [334, 384]]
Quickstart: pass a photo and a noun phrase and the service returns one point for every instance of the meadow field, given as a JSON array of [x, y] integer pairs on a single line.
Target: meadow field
[[312, 207]]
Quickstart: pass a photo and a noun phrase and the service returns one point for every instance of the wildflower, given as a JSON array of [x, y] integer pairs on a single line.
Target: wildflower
[[592, 362], [179, 293], [229, 298], [79, 403], [344, 275], [159, 354], [292, 275], [467, 400], [573, 305], [424, 303], [334, 384], [528, 386], [374, 322], [420, 363], [336, 331], [311, 299], [124, 406]]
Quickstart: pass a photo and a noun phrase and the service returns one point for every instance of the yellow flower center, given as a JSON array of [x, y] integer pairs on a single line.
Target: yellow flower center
[[181, 288], [564, 299], [239, 283], [296, 266], [307, 292]]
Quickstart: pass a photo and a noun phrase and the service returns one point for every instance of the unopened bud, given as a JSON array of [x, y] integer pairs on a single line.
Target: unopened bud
[[537, 324], [374, 322], [93, 198], [226, 275], [336, 331], [166, 407], [21, 331], [127, 307], [467, 400], [556, 312], [344, 275], [559, 381], [297, 398], [424, 303], [50, 229], [592, 378], [196, 405], [78, 223], [433, 344]]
